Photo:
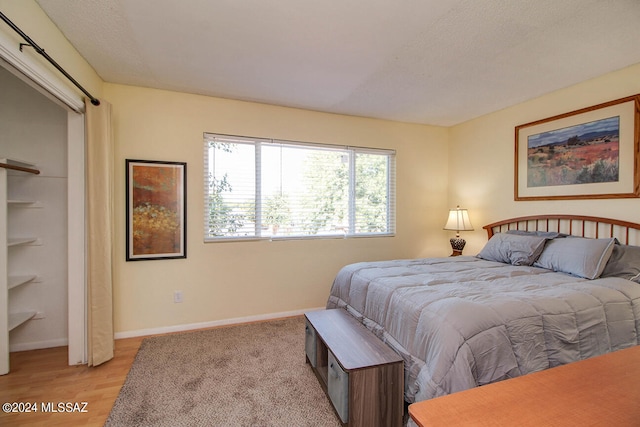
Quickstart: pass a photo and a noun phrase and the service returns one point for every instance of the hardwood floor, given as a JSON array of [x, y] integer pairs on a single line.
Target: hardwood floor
[[44, 378]]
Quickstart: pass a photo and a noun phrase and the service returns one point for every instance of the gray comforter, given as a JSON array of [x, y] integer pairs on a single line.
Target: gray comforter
[[462, 322]]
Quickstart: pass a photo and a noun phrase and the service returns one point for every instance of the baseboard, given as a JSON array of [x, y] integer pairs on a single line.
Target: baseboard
[[203, 325], [37, 345]]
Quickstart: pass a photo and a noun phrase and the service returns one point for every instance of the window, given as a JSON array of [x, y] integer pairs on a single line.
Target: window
[[265, 189]]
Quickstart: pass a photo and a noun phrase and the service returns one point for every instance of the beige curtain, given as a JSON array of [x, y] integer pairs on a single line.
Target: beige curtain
[[99, 201]]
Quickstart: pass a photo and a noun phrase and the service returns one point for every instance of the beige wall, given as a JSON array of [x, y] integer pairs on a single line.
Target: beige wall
[[244, 279], [481, 172]]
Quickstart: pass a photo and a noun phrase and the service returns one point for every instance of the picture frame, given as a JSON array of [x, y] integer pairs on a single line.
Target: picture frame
[[156, 210], [591, 153]]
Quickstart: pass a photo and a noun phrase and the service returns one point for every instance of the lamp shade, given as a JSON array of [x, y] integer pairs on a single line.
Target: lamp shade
[[458, 220]]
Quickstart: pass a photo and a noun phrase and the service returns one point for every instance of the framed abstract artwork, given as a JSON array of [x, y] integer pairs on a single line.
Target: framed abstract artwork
[[156, 209], [590, 153]]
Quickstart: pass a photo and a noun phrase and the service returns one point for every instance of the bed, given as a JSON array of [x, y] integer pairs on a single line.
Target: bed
[[544, 291]]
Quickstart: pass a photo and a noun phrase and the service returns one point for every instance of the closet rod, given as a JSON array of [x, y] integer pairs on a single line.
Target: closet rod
[[19, 168], [41, 51]]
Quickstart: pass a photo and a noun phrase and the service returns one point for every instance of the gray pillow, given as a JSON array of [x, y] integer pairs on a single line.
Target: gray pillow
[[624, 263], [512, 248], [579, 256]]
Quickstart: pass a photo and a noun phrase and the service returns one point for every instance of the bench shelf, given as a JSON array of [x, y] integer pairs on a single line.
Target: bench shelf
[[363, 377]]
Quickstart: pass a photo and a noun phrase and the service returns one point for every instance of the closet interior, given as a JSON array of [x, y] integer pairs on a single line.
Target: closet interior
[[33, 219]]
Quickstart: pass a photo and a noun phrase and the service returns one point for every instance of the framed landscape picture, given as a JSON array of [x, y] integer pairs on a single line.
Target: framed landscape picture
[[585, 154], [156, 210]]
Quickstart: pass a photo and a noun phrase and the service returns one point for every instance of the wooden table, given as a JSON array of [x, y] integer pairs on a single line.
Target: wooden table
[[601, 391]]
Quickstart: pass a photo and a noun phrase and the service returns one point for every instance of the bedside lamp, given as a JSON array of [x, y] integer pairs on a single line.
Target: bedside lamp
[[458, 221]]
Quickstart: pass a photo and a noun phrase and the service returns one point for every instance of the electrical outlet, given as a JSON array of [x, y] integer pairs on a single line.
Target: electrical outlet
[[177, 296]]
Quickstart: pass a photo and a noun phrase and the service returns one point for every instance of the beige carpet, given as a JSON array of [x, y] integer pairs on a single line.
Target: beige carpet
[[247, 375]]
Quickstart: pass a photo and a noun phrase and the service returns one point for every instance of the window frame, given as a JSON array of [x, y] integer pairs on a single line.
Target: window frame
[[353, 151]]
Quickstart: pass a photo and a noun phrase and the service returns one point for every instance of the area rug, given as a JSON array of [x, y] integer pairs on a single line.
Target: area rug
[[247, 375]]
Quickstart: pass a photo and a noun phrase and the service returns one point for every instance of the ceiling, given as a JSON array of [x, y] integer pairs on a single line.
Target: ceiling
[[438, 62]]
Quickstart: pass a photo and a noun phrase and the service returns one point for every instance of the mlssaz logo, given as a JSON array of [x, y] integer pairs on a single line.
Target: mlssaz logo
[[64, 407]]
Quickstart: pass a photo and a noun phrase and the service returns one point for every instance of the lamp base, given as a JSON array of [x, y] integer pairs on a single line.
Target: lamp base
[[457, 245]]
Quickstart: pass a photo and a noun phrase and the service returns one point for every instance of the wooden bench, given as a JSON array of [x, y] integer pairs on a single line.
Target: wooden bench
[[363, 377]]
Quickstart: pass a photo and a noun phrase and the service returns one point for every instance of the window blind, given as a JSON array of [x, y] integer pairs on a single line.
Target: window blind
[[259, 188]]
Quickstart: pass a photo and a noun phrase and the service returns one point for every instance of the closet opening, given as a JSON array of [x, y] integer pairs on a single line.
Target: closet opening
[[42, 282]]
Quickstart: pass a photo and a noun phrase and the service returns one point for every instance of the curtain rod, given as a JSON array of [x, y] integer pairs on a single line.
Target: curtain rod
[[41, 51]]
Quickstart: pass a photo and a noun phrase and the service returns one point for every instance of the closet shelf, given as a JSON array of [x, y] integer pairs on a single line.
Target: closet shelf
[[26, 203], [16, 229], [17, 319], [15, 281], [17, 241]]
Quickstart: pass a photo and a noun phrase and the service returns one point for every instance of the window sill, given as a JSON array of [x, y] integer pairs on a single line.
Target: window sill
[[283, 238]]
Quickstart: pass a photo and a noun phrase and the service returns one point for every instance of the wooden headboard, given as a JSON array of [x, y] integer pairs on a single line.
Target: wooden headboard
[[628, 233]]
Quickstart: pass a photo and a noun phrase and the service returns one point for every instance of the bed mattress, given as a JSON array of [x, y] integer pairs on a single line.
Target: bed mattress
[[461, 322]]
